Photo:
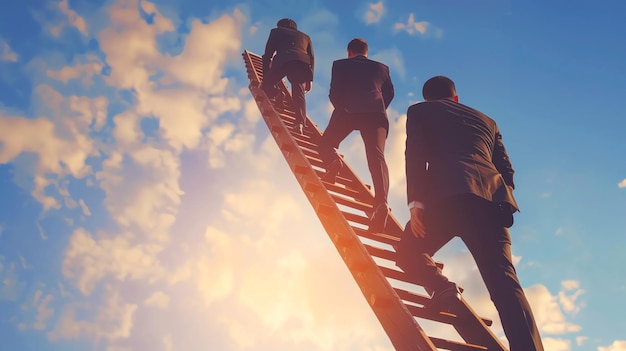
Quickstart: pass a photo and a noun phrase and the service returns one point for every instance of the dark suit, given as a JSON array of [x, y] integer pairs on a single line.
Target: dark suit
[[360, 91], [458, 169], [288, 52]]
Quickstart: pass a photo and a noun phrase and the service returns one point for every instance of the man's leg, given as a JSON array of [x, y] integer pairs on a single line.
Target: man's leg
[[270, 79], [296, 74], [339, 127], [299, 102], [414, 257], [374, 138], [374, 134], [490, 245]]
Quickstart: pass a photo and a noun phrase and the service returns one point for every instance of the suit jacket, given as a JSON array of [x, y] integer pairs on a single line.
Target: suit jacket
[[453, 149], [360, 85], [288, 44]]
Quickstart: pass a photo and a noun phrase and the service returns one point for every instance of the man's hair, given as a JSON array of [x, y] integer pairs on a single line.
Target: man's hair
[[437, 88], [358, 46], [287, 23]]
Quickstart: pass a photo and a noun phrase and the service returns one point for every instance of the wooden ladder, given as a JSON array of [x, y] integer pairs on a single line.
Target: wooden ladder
[[343, 209]]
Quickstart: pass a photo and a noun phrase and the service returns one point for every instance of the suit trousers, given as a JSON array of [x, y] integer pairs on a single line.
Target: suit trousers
[[478, 223], [374, 128], [296, 72]]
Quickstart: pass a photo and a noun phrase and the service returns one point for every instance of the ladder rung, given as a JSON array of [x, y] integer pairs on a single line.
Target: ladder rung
[[411, 296], [439, 316], [356, 218], [306, 144], [357, 205], [381, 253], [344, 191], [381, 237], [311, 155], [455, 346], [399, 275], [433, 315], [343, 180]]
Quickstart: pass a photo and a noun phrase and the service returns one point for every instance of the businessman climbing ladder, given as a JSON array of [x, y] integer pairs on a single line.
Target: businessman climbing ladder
[[344, 208]]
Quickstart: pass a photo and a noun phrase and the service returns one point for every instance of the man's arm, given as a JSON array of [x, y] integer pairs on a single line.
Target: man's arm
[[270, 48], [415, 165], [309, 51], [387, 88], [336, 93], [415, 156], [502, 162]]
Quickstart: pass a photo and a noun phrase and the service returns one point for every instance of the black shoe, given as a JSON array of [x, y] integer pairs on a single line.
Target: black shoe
[[378, 222], [332, 171], [445, 299]]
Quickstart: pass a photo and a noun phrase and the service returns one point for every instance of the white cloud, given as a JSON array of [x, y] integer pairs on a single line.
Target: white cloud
[[43, 313], [141, 182], [210, 267], [111, 321], [193, 82], [158, 299], [88, 260], [86, 71], [622, 184], [74, 19], [11, 286], [394, 59], [130, 45], [568, 302], [374, 12], [617, 345], [200, 66], [394, 156], [84, 207], [411, 26], [59, 139], [580, 340], [422, 28], [553, 344], [547, 311], [6, 54], [167, 343], [298, 295]]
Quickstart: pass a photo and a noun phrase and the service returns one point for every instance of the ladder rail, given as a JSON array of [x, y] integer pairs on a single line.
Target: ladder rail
[[392, 306], [399, 324]]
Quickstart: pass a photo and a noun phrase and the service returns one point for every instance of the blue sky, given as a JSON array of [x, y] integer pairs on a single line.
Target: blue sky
[[144, 206]]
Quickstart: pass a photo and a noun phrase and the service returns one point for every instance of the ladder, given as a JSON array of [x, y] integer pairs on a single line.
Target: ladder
[[343, 209]]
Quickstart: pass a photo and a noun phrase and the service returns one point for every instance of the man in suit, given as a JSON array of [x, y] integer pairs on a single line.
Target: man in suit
[[460, 183], [360, 91], [289, 52]]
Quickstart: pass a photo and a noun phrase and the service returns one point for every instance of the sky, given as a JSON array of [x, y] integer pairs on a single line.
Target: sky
[[144, 205]]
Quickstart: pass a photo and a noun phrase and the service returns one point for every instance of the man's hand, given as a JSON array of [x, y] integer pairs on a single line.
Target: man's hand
[[417, 222], [307, 87]]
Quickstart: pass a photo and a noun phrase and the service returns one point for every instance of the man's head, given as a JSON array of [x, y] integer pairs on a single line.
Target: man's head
[[287, 23], [356, 47], [439, 88]]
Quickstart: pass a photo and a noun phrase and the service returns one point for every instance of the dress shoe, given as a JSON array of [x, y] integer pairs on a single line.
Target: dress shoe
[[445, 299], [379, 218], [332, 171]]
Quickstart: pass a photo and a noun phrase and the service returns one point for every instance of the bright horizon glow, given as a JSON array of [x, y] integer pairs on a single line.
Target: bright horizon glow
[[146, 207]]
